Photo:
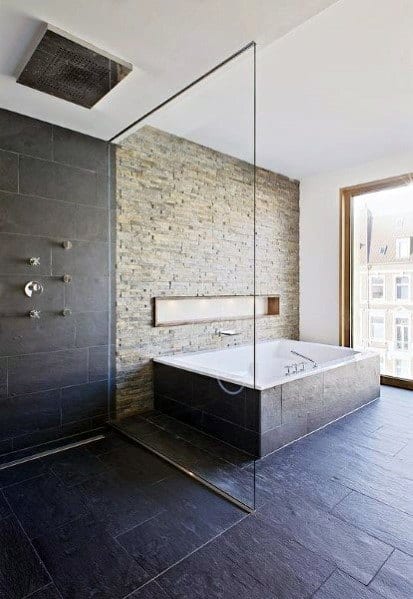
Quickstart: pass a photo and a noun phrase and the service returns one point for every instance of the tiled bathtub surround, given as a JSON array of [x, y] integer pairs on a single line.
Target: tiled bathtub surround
[[54, 186], [262, 421], [185, 227]]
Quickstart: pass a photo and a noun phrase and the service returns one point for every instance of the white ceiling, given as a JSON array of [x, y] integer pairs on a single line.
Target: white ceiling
[[169, 42], [334, 92]]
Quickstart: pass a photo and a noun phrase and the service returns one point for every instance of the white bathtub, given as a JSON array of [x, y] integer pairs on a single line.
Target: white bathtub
[[236, 364], [280, 408]]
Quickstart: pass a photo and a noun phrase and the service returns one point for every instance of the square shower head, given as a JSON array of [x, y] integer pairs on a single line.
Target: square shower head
[[71, 69]]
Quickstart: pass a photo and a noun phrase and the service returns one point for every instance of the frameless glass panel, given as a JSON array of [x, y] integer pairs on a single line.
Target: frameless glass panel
[[186, 281], [382, 268]]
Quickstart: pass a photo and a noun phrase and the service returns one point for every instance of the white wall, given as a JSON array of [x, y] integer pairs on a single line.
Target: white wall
[[319, 243]]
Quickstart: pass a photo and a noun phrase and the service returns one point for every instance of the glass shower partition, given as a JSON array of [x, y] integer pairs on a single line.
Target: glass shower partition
[[186, 281]]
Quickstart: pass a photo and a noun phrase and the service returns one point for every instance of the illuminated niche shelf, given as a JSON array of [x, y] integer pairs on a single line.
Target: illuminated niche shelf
[[173, 311]]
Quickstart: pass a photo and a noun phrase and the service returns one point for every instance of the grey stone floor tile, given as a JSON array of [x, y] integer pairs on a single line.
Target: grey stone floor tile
[[380, 520], [342, 586], [395, 579]]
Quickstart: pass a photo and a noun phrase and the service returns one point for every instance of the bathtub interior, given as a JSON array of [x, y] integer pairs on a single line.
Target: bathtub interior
[[236, 365]]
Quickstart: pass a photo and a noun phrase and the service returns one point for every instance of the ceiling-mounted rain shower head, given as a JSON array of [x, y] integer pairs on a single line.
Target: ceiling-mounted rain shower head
[[68, 68]]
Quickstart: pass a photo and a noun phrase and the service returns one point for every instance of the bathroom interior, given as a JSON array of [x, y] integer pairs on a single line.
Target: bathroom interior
[[177, 288]]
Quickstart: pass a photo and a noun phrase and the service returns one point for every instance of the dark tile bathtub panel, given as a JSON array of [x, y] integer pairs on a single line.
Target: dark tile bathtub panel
[[199, 401], [54, 374]]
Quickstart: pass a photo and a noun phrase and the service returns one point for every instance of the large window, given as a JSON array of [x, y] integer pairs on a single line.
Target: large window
[[402, 288], [403, 248], [377, 287], [376, 266], [377, 326], [402, 368], [402, 333]]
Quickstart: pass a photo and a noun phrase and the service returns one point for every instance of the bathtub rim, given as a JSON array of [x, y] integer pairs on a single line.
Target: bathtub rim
[[170, 360]]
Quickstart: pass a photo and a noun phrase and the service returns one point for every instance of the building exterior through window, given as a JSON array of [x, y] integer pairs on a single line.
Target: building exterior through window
[[382, 277]]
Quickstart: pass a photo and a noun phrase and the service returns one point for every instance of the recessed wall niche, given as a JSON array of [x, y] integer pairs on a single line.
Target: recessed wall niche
[[172, 311]]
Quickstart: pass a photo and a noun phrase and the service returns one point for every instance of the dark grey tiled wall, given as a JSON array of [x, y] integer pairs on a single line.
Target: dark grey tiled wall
[[55, 185]]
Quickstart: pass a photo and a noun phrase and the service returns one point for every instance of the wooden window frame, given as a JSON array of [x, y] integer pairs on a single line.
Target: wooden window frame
[[345, 283]]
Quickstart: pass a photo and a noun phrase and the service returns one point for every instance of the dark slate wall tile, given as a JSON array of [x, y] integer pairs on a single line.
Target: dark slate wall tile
[[84, 258], [15, 251], [29, 413], [79, 150], [21, 335], [25, 135], [13, 300], [36, 216], [91, 329], [87, 293], [91, 223], [57, 181], [84, 401], [98, 363], [38, 372], [9, 176], [54, 186], [50, 435]]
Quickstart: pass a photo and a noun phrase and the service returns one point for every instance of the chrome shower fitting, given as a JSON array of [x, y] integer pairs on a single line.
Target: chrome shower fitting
[[227, 333], [67, 278], [34, 261], [33, 288], [296, 353], [67, 245], [66, 312], [34, 313]]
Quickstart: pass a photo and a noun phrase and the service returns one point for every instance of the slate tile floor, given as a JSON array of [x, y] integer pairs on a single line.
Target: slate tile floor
[[110, 520]]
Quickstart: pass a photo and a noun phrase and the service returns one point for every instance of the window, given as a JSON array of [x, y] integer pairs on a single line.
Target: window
[[403, 248], [377, 287], [402, 288], [402, 368], [402, 333], [377, 326]]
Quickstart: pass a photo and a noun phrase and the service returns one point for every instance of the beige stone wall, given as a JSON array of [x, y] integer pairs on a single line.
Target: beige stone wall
[[185, 227]]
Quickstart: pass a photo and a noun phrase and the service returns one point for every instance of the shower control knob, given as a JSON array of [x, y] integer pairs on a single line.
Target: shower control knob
[[34, 261], [34, 313], [66, 312], [33, 288], [67, 245], [67, 278]]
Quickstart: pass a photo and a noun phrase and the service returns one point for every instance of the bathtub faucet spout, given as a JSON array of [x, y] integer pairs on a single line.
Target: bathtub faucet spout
[[229, 333], [313, 362]]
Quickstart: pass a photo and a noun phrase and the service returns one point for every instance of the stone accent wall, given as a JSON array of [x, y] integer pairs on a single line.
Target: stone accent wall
[[185, 227]]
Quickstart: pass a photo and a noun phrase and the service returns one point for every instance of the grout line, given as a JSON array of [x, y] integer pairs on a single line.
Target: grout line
[[30, 541], [67, 202], [154, 579], [333, 507], [383, 564], [124, 532], [324, 581]]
